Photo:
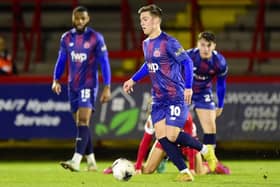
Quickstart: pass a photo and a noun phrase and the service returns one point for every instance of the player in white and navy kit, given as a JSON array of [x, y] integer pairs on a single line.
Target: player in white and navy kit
[[208, 64], [83, 50], [170, 71]]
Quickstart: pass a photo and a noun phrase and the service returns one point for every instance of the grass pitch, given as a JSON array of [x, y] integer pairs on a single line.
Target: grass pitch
[[51, 174]]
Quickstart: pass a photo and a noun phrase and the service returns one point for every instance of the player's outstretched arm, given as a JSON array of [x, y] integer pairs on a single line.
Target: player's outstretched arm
[[140, 74]]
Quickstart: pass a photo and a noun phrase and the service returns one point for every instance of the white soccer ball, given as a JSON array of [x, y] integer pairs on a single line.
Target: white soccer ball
[[123, 169]]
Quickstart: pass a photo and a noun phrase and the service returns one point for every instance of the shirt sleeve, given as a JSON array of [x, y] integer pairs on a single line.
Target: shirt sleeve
[[221, 90], [141, 73], [180, 55], [175, 49], [103, 59], [222, 66], [221, 80], [61, 61], [188, 70]]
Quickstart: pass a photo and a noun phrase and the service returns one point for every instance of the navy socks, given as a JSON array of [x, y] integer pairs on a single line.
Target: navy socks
[[82, 139], [209, 139], [185, 139], [89, 147], [173, 153]]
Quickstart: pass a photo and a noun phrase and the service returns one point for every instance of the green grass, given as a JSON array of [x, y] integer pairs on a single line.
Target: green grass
[[50, 174]]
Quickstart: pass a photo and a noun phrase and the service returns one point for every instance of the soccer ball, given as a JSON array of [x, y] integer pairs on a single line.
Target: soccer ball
[[123, 169]]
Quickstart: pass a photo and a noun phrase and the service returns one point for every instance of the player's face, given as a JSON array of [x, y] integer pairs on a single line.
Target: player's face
[[80, 20], [205, 48], [149, 23]]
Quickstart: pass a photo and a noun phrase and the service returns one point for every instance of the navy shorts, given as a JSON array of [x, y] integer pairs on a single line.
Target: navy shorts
[[83, 98], [175, 114], [203, 100]]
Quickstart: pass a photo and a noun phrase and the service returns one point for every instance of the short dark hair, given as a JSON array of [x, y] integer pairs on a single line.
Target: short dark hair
[[80, 9], [208, 36], [153, 9]]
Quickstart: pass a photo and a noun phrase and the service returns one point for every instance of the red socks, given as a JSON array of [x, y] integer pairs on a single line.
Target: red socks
[[143, 149]]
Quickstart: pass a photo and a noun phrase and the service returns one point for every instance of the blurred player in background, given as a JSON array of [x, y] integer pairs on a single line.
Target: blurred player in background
[[171, 74], [84, 50], [208, 64]]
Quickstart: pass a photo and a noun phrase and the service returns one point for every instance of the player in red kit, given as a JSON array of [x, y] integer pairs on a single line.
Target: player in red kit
[[157, 156]]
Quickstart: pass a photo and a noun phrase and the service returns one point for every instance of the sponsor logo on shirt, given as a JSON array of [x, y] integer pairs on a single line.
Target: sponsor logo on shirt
[[153, 67], [71, 44], [78, 57]]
